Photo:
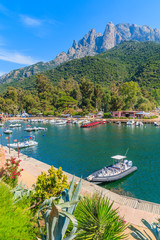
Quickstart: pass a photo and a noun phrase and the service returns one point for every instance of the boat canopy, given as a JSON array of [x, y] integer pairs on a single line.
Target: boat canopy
[[118, 157]]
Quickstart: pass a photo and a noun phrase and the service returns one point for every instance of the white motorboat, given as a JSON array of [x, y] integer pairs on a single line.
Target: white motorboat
[[121, 168], [52, 121], [42, 128], [60, 122], [156, 124], [15, 120], [35, 129], [1, 124], [15, 125], [130, 122], [30, 129], [8, 131], [118, 122], [29, 142], [139, 124]]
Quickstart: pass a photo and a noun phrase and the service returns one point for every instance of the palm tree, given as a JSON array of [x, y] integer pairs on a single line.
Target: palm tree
[[97, 220]]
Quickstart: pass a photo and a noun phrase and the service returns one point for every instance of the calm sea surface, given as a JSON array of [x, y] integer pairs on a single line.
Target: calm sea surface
[[82, 151]]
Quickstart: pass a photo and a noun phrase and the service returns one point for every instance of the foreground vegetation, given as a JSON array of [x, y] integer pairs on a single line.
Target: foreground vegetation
[[15, 222], [54, 202]]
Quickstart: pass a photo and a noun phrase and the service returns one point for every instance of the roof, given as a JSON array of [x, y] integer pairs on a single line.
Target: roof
[[118, 157], [142, 112]]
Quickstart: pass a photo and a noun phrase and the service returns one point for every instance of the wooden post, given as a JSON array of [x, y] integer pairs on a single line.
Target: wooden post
[[16, 140], [18, 147], [1, 140], [8, 143]]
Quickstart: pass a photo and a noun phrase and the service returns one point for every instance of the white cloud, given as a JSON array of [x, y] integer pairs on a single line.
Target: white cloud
[[16, 57], [31, 22]]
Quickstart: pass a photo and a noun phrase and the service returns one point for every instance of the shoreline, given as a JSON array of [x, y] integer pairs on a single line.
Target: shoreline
[[132, 209], [108, 120]]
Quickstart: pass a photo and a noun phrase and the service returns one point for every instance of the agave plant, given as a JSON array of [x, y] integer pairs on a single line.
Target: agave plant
[[58, 216], [153, 227], [20, 191], [97, 220]]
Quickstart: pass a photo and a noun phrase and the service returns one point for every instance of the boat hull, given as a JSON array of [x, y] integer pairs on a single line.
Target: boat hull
[[23, 145], [99, 180]]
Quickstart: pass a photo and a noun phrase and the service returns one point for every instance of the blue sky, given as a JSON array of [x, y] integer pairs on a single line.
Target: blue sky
[[32, 31]]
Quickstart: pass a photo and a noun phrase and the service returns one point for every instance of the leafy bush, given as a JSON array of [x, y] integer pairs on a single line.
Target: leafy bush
[[153, 117], [12, 171], [46, 113], [107, 115], [49, 185], [35, 111], [15, 222], [97, 219]]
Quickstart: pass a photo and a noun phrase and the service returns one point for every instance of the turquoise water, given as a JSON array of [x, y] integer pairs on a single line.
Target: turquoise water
[[82, 151]]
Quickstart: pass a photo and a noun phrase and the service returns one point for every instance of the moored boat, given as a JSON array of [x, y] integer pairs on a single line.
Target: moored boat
[[156, 124], [130, 122], [8, 131], [60, 122], [29, 142], [15, 125], [120, 169], [139, 124]]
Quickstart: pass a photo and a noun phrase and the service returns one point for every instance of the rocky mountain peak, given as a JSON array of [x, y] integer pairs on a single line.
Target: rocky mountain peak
[[91, 44]]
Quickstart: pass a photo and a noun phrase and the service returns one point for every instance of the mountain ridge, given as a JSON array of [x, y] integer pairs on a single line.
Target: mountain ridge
[[90, 45], [128, 61]]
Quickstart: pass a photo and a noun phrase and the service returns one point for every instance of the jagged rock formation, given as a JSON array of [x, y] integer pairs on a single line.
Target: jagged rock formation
[[90, 45]]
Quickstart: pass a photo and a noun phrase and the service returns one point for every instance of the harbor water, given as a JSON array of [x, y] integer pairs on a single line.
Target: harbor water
[[81, 151]]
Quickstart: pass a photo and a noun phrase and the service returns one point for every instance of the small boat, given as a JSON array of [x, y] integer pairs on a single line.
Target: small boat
[[29, 142], [130, 122], [92, 124], [52, 121], [119, 122], [120, 168], [15, 125], [35, 129], [42, 128], [139, 124], [60, 122], [8, 131], [30, 129], [156, 124], [1, 124]]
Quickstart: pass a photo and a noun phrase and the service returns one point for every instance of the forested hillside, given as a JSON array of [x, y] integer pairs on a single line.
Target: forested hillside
[[125, 77], [127, 61]]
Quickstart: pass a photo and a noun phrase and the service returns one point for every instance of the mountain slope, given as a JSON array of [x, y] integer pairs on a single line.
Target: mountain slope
[[127, 61], [90, 45]]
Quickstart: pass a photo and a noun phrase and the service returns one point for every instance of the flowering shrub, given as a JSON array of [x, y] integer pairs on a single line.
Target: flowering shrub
[[12, 171]]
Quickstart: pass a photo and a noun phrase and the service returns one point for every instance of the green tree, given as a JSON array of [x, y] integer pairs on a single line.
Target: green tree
[[130, 92], [106, 100], [2, 104], [11, 93], [66, 102], [87, 90], [97, 97], [44, 88]]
